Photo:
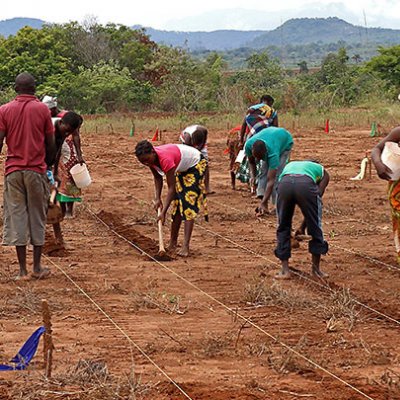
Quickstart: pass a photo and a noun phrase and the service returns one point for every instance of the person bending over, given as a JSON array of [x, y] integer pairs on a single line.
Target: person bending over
[[301, 183], [184, 168]]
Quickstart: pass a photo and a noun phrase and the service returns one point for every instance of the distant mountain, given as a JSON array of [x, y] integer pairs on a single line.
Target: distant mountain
[[302, 31], [216, 40], [12, 26], [298, 31]]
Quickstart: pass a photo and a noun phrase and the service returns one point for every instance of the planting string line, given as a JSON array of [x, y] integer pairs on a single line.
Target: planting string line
[[117, 327], [301, 276], [230, 310], [358, 253]]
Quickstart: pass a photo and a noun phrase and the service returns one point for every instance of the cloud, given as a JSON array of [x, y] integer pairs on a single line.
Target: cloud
[[251, 19]]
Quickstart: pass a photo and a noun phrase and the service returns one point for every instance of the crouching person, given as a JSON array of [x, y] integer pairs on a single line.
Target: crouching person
[[301, 183], [184, 168]]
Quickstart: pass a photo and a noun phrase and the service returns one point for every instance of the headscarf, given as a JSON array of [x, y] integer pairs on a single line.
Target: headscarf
[[50, 102]]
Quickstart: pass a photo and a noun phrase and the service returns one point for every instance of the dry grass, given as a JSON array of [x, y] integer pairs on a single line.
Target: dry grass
[[151, 299], [214, 345], [258, 292], [391, 380], [387, 116], [87, 380], [341, 311]]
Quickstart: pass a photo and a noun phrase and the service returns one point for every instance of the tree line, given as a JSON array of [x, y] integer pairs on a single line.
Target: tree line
[[94, 68]]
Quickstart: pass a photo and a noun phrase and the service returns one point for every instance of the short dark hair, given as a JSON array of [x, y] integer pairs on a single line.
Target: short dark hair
[[259, 146], [268, 99], [25, 83], [144, 147], [199, 136], [72, 119]]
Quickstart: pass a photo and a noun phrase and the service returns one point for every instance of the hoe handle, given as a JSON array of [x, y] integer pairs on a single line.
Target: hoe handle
[[160, 233]]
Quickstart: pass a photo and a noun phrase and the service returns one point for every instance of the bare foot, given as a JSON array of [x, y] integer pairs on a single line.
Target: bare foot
[[22, 277], [283, 275], [319, 274], [42, 274], [210, 192], [171, 247], [184, 252]]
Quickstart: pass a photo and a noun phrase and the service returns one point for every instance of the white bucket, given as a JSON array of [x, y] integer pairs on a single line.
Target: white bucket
[[240, 157], [80, 175], [391, 158]]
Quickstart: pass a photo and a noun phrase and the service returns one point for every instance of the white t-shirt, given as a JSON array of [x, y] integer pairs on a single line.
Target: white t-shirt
[[189, 157], [190, 130]]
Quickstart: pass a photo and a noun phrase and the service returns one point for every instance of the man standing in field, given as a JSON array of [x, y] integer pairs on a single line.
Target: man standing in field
[[271, 145], [25, 124]]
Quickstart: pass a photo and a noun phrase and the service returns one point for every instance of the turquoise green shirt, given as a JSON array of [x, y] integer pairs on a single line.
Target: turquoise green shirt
[[312, 169], [277, 141]]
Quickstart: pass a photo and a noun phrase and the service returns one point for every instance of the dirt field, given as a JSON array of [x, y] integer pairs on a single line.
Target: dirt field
[[109, 299]]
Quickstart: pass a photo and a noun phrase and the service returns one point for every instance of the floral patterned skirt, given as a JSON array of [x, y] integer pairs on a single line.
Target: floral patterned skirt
[[394, 201], [190, 193]]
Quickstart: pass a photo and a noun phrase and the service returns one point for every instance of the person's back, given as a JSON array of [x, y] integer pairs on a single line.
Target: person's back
[[26, 126], [277, 140], [26, 122], [311, 169]]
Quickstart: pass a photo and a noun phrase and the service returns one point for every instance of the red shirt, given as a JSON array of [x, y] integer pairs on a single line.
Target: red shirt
[[26, 121], [169, 156]]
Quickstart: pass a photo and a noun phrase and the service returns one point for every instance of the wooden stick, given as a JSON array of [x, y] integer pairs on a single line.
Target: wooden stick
[[160, 235], [48, 346]]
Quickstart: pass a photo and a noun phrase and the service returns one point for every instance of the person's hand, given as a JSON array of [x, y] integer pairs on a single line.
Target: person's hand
[[383, 171], [81, 160], [162, 216], [262, 209], [57, 180], [253, 186], [240, 146], [158, 204]]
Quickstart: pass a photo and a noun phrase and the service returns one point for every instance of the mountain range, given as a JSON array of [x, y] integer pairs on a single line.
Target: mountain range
[[297, 31]]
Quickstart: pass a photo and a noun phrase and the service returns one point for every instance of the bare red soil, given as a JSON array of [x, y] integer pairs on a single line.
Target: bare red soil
[[172, 309]]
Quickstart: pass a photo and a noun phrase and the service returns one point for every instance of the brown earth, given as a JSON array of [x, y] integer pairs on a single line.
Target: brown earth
[[178, 312]]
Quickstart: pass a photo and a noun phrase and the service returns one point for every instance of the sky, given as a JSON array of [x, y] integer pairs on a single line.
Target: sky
[[207, 14]]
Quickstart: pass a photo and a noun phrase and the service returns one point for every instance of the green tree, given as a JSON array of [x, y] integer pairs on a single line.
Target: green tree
[[34, 51], [386, 65]]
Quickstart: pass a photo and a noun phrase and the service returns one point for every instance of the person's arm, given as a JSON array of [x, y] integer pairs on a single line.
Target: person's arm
[[56, 164], [2, 136], [50, 144], [77, 143], [376, 153], [242, 133], [275, 121], [253, 171], [323, 183], [268, 190], [170, 175], [158, 185]]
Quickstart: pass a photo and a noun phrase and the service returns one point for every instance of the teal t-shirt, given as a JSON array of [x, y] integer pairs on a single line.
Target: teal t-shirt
[[312, 169], [277, 141]]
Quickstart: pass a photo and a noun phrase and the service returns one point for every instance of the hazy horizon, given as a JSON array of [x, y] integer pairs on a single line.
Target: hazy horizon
[[209, 16]]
